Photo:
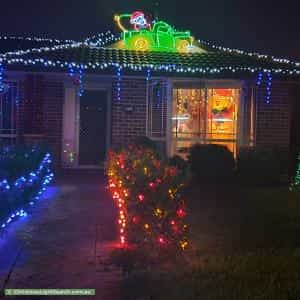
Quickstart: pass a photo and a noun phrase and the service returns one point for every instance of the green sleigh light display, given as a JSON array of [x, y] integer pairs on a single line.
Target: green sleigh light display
[[154, 36]]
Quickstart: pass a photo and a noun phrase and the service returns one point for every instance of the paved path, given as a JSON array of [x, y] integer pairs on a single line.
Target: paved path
[[64, 242]]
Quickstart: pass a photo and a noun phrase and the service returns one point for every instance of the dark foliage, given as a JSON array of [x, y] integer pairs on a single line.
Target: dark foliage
[[17, 162], [211, 163], [259, 166]]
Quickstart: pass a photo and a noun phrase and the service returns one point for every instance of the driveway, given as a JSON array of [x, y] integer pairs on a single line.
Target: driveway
[[65, 240]]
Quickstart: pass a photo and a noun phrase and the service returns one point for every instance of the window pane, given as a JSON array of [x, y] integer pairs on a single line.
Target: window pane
[[188, 113], [157, 108], [207, 116], [222, 112]]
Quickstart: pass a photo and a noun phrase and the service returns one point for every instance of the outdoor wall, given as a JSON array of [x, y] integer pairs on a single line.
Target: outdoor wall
[[273, 120], [40, 112], [128, 117]]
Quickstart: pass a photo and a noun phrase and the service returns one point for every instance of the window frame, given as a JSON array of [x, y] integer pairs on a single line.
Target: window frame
[[208, 84], [11, 136]]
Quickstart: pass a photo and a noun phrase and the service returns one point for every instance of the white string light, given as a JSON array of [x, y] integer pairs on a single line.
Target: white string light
[[17, 57]]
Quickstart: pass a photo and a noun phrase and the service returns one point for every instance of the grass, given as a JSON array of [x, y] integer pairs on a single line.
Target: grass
[[244, 219], [244, 245]]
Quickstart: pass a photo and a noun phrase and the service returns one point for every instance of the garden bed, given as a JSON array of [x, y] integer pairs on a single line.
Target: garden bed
[[243, 237], [244, 245], [24, 174]]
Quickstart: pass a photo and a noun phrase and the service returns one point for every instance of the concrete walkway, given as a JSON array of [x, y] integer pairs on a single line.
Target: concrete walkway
[[64, 242]]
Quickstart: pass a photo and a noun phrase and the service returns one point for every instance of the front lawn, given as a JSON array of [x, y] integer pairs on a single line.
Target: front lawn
[[243, 241], [243, 218], [244, 245]]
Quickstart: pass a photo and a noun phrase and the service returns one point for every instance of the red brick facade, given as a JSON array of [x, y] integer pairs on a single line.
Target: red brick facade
[[41, 113], [128, 115], [273, 119]]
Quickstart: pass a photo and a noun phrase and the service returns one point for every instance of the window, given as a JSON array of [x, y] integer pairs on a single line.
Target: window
[[8, 112], [157, 109], [205, 116]]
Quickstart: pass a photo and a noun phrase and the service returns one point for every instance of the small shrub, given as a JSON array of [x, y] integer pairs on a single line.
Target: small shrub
[[21, 171], [210, 163], [146, 143], [259, 166], [179, 162], [148, 193]]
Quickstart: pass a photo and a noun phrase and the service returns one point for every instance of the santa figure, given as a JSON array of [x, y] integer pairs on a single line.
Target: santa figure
[[139, 21]]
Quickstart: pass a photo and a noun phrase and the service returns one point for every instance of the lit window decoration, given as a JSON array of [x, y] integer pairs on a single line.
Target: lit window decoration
[[43, 173], [76, 74], [119, 79], [159, 37]]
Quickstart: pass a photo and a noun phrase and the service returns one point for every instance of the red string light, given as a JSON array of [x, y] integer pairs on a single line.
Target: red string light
[[136, 175]]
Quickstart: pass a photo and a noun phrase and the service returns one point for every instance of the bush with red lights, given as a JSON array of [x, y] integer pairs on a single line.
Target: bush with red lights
[[147, 191]]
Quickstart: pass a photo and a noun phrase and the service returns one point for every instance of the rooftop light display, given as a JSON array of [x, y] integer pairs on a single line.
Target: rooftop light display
[[145, 35]]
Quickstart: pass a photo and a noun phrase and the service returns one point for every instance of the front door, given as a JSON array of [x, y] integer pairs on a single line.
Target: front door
[[93, 127]]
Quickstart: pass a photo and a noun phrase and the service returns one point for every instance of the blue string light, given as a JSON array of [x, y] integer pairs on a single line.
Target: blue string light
[[2, 86], [81, 88], [268, 83], [259, 79], [148, 77], [119, 75], [43, 174], [269, 88], [76, 73]]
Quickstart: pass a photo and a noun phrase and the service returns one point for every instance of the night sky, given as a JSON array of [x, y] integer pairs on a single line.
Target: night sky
[[270, 27]]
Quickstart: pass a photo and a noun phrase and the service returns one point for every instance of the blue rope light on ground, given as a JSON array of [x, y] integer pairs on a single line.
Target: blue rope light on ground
[[26, 182]]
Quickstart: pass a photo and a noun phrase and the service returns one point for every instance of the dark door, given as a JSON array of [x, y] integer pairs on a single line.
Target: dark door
[[92, 133]]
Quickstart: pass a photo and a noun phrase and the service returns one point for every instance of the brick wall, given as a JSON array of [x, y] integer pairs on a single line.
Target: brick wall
[[40, 112], [42, 99], [30, 121], [273, 119], [53, 116], [127, 124]]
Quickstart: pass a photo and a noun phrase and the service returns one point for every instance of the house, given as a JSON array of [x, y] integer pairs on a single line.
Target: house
[[82, 98]]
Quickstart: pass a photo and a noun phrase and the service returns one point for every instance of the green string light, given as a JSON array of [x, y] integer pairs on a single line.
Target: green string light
[[295, 186]]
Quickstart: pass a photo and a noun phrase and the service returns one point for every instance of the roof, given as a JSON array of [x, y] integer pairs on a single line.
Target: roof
[[97, 54], [10, 44]]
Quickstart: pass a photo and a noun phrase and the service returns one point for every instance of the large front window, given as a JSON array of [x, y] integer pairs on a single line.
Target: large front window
[[208, 115]]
